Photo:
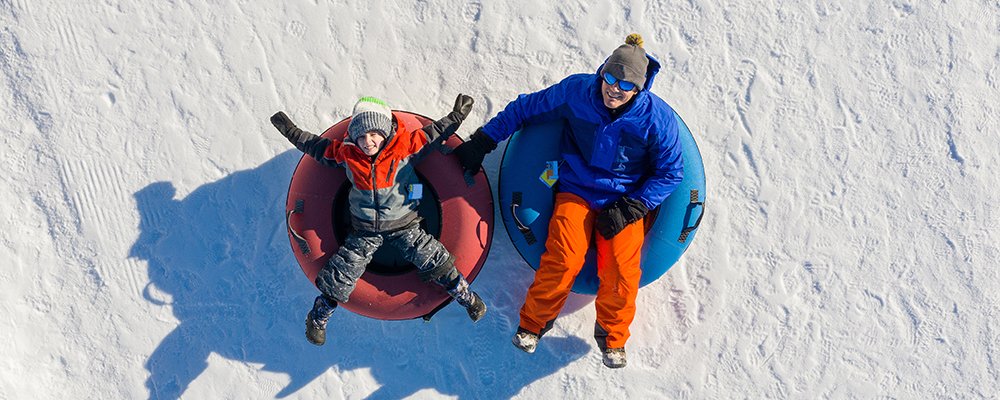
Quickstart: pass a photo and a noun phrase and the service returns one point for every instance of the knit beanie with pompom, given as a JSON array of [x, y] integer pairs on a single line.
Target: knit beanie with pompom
[[628, 62]]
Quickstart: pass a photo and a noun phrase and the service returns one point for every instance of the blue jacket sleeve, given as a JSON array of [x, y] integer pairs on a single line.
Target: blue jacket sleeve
[[542, 106], [666, 166]]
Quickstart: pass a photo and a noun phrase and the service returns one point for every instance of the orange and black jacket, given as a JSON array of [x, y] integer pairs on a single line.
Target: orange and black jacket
[[381, 198]]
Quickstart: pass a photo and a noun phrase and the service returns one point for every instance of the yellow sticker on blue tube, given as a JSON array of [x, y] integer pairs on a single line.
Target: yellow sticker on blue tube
[[551, 173]]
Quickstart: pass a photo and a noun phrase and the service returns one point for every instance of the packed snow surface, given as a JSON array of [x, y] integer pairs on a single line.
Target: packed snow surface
[[848, 250]]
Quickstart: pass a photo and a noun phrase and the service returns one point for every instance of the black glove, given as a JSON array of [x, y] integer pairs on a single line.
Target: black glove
[[282, 123], [616, 216], [472, 152], [288, 129], [463, 105]]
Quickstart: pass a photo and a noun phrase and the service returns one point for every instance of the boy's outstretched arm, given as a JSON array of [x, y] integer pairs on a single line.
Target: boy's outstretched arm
[[449, 124], [314, 146]]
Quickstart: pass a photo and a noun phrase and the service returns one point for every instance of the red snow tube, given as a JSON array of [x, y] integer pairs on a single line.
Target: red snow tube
[[458, 215]]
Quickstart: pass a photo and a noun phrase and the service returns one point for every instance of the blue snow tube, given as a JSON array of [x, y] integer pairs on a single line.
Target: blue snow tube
[[526, 203]]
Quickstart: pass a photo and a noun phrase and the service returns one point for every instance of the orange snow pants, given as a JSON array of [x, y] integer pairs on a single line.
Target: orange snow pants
[[570, 232]]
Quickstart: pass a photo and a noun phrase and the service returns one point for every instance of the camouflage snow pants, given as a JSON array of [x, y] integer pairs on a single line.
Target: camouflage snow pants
[[434, 263]]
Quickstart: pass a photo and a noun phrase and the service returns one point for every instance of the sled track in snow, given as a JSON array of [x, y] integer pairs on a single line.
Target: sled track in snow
[[90, 186]]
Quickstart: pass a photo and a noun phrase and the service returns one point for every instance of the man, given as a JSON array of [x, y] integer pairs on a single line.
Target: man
[[621, 158]]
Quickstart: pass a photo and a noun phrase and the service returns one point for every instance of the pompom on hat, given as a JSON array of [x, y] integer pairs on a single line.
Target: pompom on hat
[[628, 62], [370, 114]]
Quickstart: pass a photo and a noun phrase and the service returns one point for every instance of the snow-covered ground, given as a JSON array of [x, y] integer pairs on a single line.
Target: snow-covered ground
[[849, 248]]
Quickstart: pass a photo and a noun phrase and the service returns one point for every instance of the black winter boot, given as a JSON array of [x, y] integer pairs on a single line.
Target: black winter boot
[[317, 318], [476, 309], [458, 288]]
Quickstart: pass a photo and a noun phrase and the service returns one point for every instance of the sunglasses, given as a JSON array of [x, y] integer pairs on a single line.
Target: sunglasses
[[623, 85]]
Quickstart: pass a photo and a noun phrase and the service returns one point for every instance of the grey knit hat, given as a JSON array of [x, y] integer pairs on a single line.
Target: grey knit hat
[[628, 62], [370, 114]]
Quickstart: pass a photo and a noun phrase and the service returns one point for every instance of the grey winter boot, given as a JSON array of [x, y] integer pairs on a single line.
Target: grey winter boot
[[614, 358], [317, 318], [458, 288], [524, 340]]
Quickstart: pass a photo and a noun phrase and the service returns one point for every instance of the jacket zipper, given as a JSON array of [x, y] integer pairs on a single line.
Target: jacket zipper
[[375, 204], [392, 167]]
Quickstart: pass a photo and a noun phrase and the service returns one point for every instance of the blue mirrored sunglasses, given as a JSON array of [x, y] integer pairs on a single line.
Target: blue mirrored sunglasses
[[623, 85]]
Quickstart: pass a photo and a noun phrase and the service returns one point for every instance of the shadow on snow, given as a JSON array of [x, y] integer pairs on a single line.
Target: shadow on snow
[[222, 258]]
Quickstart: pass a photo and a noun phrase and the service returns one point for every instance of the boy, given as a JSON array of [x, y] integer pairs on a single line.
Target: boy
[[377, 153]]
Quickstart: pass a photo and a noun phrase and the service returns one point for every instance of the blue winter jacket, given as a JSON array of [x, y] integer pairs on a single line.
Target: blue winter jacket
[[636, 154]]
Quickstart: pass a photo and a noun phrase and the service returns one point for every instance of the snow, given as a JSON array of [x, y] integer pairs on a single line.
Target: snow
[[850, 149]]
